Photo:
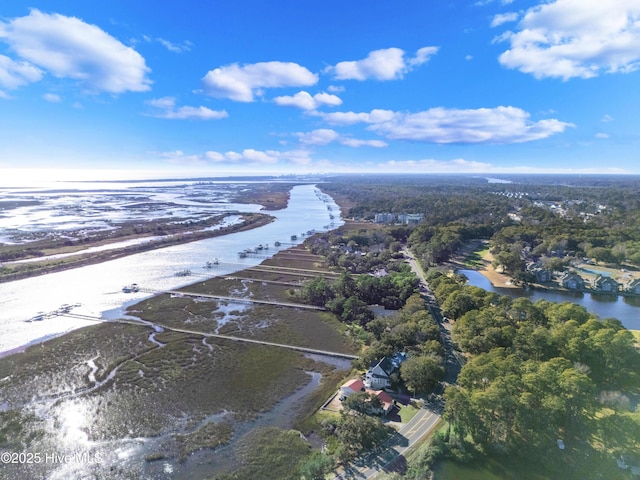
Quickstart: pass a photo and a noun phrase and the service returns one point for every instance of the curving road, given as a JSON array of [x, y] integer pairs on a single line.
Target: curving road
[[412, 432], [425, 421]]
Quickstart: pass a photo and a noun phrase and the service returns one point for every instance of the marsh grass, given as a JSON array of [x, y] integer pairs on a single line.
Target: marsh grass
[[270, 453], [150, 390], [211, 435], [19, 429]]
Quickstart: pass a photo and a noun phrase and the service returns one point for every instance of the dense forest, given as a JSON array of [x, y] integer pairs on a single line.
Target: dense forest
[[540, 379], [553, 219], [538, 372]]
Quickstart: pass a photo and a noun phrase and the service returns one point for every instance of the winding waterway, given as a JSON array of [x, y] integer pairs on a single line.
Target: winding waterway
[[98, 288], [625, 309]]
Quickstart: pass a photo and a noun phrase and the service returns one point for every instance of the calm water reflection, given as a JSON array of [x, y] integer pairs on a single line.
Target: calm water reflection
[[98, 288], [624, 309]]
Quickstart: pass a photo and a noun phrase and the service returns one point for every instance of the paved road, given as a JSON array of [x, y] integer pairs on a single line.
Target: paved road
[[425, 420], [453, 357], [421, 425]]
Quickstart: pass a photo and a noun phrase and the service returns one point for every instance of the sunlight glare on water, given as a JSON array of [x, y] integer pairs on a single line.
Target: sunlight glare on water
[[97, 289]]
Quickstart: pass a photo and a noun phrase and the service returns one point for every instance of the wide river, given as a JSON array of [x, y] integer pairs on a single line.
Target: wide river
[[625, 309], [98, 288]]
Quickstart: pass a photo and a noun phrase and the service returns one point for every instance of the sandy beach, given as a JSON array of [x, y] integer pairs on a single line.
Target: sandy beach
[[484, 266], [496, 278]]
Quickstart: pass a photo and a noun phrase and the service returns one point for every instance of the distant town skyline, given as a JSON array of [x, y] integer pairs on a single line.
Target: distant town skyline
[[270, 88]]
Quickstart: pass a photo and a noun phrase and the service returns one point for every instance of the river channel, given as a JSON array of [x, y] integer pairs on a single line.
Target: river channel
[[625, 309], [97, 289]]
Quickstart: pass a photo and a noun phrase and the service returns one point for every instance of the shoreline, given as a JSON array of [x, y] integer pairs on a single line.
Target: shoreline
[[500, 280], [496, 278], [486, 268], [81, 260]]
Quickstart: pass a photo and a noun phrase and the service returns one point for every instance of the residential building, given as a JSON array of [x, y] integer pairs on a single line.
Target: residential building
[[352, 386], [385, 218], [604, 284], [572, 281], [633, 287], [379, 374], [385, 399]]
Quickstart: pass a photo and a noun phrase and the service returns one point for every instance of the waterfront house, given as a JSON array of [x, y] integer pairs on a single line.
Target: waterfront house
[[633, 287], [604, 284], [542, 275], [572, 281], [352, 386], [379, 374]]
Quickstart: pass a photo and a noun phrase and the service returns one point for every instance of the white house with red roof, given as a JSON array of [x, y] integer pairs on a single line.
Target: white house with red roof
[[356, 385], [352, 386], [385, 399]]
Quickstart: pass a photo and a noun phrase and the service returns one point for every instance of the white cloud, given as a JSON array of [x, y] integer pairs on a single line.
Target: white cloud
[[422, 56], [67, 47], [248, 157], [482, 3], [258, 156], [242, 83], [166, 108], [325, 136], [356, 143], [469, 166], [602, 135], [322, 136], [305, 101], [437, 166], [468, 57], [174, 47], [336, 88], [14, 74], [52, 98], [576, 38], [442, 125], [384, 64], [350, 118], [606, 118], [502, 18]]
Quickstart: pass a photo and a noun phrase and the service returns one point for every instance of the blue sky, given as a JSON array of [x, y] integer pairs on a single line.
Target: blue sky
[[263, 87]]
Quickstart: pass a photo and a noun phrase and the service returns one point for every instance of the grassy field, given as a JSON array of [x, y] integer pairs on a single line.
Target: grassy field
[[475, 259]]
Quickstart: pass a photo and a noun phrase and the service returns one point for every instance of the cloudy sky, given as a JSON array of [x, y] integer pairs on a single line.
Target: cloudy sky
[[292, 86]]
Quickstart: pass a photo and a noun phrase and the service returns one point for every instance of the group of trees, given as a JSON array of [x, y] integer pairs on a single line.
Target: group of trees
[[602, 225], [598, 217], [535, 371], [414, 331], [348, 297], [356, 432]]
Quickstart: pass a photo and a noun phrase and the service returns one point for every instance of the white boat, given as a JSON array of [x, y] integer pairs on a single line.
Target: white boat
[[212, 263], [133, 288], [64, 308]]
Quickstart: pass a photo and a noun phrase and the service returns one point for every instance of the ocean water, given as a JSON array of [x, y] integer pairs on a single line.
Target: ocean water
[[97, 289]]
